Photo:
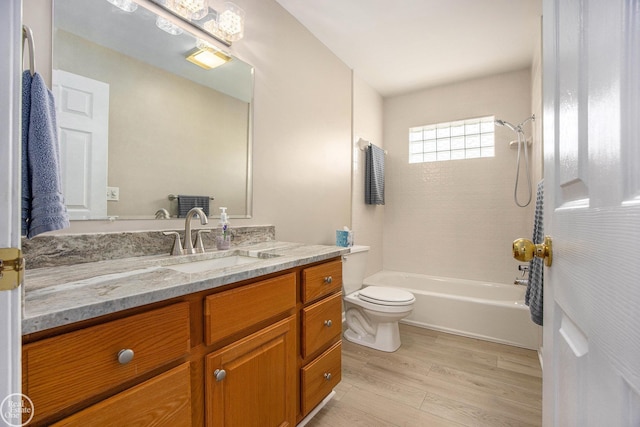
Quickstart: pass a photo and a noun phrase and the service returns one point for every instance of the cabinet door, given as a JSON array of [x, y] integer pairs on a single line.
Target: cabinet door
[[252, 382], [162, 401]]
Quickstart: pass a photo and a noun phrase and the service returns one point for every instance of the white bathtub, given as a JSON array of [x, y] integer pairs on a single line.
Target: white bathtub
[[489, 311]]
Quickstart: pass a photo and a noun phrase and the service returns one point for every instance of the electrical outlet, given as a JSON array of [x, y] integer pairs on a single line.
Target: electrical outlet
[[113, 193]]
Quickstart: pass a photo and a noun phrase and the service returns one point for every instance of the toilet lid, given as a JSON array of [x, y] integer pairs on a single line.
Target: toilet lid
[[386, 296]]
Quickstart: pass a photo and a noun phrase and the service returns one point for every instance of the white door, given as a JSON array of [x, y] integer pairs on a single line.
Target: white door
[[10, 300], [82, 109], [592, 211]]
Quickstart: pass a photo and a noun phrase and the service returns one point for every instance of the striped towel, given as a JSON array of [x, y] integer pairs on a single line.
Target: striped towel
[[186, 203], [533, 297], [374, 176]]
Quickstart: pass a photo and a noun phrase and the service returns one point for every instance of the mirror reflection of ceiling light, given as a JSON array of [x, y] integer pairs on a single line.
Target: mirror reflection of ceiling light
[[126, 5], [168, 26], [206, 56]]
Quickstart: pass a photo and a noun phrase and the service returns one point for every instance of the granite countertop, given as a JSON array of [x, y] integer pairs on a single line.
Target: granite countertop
[[56, 296]]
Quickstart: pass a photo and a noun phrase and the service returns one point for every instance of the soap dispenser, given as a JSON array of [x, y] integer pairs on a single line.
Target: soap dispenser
[[224, 240]]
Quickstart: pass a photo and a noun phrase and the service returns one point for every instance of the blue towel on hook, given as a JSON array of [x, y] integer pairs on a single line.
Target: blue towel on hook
[[374, 176], [534, 295], [43, 206]]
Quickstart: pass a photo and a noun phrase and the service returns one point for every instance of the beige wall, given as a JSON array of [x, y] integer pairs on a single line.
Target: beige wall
[[367, 220], [301, 132], [456, 218]]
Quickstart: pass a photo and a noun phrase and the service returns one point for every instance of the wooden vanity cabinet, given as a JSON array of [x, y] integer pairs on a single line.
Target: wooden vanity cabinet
[[261, 352]]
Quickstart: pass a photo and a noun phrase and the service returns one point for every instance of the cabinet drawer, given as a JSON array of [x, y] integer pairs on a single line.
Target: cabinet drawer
[[63, 370], [321, 280], [164, 400], [320, 377], [321, 322], [232, 311]]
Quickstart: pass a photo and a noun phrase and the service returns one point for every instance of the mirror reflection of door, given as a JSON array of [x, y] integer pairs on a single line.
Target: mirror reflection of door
[[82, 106]]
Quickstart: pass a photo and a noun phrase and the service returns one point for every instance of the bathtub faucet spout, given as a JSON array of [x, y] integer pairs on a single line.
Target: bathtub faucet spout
[[521, 282]]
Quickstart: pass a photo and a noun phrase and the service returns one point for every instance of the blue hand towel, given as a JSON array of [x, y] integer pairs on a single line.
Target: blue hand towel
[[374, 176], [534, 295], [43, 206]]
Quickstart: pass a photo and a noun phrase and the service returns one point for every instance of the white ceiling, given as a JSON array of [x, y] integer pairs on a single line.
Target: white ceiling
[[403, 45]]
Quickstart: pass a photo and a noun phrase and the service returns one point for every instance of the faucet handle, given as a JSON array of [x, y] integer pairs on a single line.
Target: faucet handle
[[176, 249], [524, 268], [199, 244]]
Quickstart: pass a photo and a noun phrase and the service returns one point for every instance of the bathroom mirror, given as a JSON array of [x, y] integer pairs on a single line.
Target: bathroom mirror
[[138, 122]]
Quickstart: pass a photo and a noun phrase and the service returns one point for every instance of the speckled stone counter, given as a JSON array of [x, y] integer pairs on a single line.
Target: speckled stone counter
[[56, 296]]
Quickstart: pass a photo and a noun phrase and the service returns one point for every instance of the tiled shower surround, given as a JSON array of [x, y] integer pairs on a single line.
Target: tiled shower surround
[[57, 250]]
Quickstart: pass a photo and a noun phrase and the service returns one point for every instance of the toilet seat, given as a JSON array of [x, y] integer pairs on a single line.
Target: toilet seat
[[386, 296]]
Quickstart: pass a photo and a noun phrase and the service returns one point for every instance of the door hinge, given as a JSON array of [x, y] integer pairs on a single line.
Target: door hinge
[[11, 268]]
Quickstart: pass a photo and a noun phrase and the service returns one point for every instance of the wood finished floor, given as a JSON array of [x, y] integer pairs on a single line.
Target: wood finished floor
[[436, 379]]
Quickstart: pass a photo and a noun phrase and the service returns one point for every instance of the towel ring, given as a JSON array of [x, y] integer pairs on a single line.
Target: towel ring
[[27, 35]]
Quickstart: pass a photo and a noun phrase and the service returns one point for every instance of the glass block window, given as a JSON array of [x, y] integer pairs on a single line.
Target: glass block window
[[462, 139]]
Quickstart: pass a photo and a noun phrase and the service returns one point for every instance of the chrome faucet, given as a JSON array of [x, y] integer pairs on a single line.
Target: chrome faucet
[[188, 243], [522, 281]]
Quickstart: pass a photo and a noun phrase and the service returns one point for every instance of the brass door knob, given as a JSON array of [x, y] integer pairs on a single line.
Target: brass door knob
[[525, 250]]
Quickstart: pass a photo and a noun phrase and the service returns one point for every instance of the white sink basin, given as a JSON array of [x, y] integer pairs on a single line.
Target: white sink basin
[[212, 264]]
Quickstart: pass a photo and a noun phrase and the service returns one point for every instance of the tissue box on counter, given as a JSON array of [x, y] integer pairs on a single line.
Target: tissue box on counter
[[344, 238]]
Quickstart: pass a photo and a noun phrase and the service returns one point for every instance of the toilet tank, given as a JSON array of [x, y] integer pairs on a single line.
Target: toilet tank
[[354, 265]]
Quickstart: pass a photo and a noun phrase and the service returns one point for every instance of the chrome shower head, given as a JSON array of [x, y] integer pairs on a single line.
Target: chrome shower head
[[505, 123]]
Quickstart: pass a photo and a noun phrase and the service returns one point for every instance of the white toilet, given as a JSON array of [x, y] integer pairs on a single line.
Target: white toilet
[[372, 313]]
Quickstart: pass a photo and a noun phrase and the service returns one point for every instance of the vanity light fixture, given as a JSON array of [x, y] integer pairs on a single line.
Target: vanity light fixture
[[225, 24], [191, 10], [231, 22], [206, 56], [126, 5]]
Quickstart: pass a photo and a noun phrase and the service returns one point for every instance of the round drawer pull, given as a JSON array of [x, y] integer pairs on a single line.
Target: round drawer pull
[[125, 356], [328, 323], [328, 280], [327, 376], [220, 374]]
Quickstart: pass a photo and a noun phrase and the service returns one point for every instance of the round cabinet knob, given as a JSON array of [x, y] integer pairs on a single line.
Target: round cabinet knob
[[327, 376], [125, 356], [328, 280], [328, 323], [220, 374]]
